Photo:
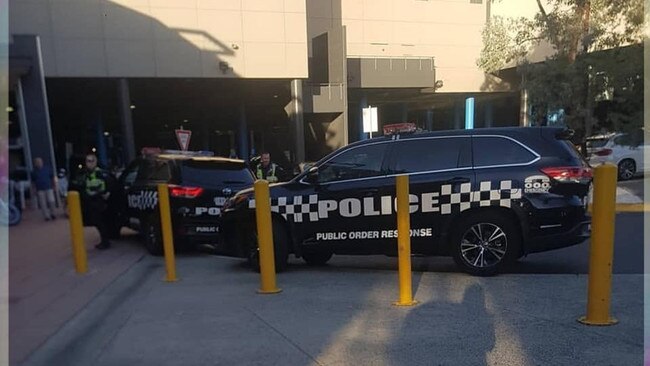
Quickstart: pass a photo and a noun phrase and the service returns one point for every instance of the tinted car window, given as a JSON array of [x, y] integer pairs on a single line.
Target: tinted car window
[[623, 140], [595, 143], [421, 155], [361, 162], [489, 151], [214, 173], [131, 173], [156, 170]]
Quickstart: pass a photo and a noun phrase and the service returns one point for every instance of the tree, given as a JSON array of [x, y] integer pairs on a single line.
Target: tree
[[597, 57]]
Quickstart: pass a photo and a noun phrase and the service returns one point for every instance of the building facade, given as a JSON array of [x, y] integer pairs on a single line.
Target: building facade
[[287, 76]]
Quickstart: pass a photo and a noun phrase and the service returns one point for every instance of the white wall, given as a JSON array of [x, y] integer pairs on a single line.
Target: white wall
[[448, 30], [167, 38]]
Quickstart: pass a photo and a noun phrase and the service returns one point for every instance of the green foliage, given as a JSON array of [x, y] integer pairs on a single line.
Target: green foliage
[[597, 60]]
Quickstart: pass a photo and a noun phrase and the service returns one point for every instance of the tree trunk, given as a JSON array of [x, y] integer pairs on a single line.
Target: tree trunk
[[583, 10]]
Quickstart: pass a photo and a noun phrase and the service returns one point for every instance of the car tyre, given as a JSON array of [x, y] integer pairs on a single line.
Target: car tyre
[[316, 257], [484, 243], [626, 169], [280, 248], [153, 237]]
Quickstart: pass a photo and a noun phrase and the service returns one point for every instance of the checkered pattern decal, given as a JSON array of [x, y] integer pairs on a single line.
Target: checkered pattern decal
[[296, 209], [143, 200], [502, 195], [305, 208]]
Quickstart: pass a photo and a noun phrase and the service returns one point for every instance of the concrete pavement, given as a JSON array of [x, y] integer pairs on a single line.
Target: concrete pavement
[[122, 312], [339, 315], [44, 290]]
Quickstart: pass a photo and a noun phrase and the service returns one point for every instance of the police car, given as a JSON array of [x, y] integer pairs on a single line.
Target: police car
[[198, 187], [485, 197]]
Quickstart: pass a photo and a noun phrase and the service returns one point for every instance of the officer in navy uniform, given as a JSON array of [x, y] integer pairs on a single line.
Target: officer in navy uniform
[[95, 185], [268, 170]]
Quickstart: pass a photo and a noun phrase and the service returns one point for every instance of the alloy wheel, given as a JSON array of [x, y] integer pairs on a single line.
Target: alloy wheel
[[483, 245], [626, 169]]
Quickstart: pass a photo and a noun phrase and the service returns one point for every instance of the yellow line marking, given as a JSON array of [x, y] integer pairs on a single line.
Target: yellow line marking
[[630, 207]]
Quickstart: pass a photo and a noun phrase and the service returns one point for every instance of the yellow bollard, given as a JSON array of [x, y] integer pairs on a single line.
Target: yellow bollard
[[265, 238], [77, 232], [404, 242], [602, 247], [167, 235]]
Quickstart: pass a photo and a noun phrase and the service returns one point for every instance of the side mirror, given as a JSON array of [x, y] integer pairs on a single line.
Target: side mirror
[[312, 175]]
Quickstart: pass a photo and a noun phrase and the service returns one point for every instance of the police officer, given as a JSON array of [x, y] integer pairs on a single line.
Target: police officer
[[95, 186], [268, 170]]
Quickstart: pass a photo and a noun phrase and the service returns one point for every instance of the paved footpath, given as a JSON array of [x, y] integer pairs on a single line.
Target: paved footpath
[[342, 314], [44, 290]]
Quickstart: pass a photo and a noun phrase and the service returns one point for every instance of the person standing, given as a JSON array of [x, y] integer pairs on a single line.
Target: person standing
[[95, 187], [268, 170], [43, 185], [62, 188]]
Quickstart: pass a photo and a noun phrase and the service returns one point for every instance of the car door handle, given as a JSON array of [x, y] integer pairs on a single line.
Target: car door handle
[[457, 180]]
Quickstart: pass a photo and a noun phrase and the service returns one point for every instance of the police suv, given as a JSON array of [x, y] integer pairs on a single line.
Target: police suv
[[198, 187], [485, 197]]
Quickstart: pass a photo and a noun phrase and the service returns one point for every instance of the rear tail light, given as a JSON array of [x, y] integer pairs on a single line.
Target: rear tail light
[[185, 192], [603, 152], [569, 174]]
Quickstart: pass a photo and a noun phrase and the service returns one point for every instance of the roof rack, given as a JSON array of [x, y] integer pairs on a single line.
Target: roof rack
[[399, 128], [152, 151], [188, 153]]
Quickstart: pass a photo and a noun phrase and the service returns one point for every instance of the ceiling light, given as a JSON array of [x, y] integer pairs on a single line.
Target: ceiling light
[[132, 106]]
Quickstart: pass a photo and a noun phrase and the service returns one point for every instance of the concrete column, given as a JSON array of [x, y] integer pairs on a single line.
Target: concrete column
[[297, 120], [126, 118], [100, 141], [34, 93], [24, 130], [242, 132], [429, 119], [253, 151], [489, 114], [344, 88], [363, 103]]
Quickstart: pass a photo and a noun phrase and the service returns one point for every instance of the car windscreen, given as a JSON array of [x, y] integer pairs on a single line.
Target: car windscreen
[[596, 143], [214, 174]]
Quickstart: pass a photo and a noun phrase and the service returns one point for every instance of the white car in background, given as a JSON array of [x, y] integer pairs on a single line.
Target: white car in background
[[623, 149]]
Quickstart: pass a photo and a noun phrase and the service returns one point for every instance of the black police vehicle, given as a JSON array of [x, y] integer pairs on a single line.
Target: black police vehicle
[[485, 197], [198, 187]]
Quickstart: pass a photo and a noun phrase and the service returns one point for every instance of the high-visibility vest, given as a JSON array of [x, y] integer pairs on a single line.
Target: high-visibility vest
[[95, 183], [270, 176]]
